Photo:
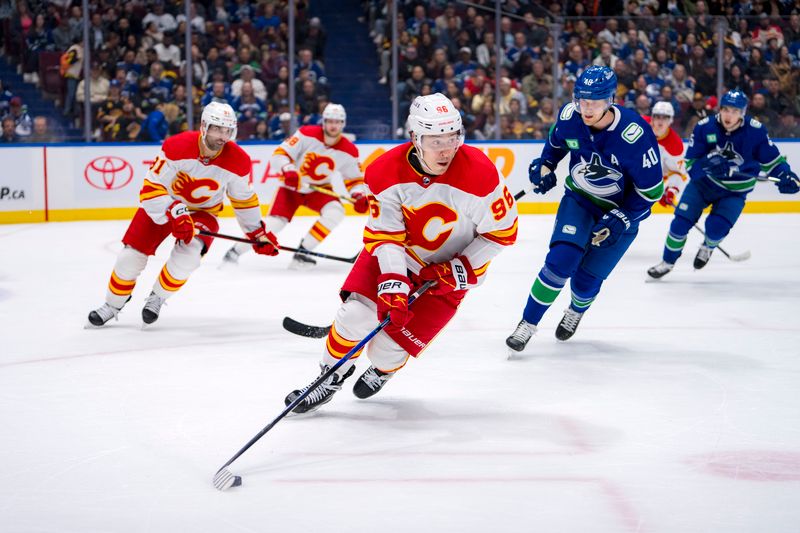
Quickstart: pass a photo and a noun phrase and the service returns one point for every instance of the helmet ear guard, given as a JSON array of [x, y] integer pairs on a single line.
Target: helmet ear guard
[[218, 114]]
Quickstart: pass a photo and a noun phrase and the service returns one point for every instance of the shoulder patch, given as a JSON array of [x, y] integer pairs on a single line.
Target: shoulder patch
[[754, 123], [703, 122], [567, 111], [632, 133]]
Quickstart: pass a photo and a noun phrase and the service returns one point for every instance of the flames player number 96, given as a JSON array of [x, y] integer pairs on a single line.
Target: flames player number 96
[[501, 206]]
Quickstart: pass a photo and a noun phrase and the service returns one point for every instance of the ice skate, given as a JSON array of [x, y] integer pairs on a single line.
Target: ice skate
[[370, 382], [103, 314], [566, 328], [702, 257], [152, 307], [301, 260], [519, 339], [231, 258], [660, 270], [322, 394]]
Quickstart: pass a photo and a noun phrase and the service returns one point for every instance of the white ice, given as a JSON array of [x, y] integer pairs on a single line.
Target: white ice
[[673, 409]]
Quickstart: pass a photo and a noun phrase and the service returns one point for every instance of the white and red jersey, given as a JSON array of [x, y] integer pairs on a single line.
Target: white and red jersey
[[316, 162], [181, 173], [416, 220], [673, 165]]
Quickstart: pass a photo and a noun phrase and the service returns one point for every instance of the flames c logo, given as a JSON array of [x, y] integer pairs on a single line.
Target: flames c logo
[[311, 164], [187, 188], [429, 226], [108, 172]]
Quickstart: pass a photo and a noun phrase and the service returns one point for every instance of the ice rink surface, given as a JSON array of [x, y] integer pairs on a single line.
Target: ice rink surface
[[675, 407]]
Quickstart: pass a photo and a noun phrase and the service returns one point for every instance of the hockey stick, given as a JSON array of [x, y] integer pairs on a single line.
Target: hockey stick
[[736, 258], [329, 192], [224, 479], [304, 330], [284, 248], [761, 178]]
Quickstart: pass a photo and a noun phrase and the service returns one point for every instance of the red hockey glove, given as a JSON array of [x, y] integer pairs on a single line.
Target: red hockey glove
[[360, 202], [270, 246], [393, 292], [453, 275], [290, 176], [669, 197], [181, 221]]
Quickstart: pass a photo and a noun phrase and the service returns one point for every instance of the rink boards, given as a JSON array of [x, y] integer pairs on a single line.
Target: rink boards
[[60, 182]]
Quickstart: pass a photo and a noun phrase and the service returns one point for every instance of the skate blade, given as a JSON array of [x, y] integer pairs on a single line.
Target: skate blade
[[298, 265], [89, 325]]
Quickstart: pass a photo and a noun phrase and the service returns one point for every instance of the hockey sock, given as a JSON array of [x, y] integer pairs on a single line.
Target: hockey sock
[[184, 259], [129, 265], [330, 217], [585, 287], [560, 263], [717, 228], [676, 239]]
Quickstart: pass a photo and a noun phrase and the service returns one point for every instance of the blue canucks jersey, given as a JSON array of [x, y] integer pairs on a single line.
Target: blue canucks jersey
[[748, 147], [618, 167]]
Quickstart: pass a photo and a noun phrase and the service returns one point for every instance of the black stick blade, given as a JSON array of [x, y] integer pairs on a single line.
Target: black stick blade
[[304, 330]]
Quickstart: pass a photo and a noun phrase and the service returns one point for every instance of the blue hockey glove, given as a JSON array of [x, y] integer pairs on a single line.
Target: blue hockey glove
[[716, 167], [610, 228], [789, 184], [541, 175]]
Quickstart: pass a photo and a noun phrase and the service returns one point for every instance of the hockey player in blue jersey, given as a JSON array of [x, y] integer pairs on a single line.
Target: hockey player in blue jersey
[[726, 152], [614, 179]]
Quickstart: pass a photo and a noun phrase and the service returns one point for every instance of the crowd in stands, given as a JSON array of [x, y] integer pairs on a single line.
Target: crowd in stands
[[137, 87], [660, 50]]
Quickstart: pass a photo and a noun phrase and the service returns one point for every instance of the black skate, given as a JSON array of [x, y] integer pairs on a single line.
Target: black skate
[[104, 313], [702, 257], [519, 339], [152, 307], [370, 382], [301, 260], [660, 270], [566, 328], [322, 394]]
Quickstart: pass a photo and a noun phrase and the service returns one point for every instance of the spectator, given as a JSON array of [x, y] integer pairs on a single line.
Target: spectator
[[758, 110], [5, 98], [242, 12], [485, 50], [314, 38], [407, 62], [9, 135], [696, 113], [411, 89], [168, 52], [305, 60], [307, 98], [199, 67], [612, 35], [776, 100], [155, 126], [443, 21], [164, 21], [788, 127], [280, 126], [38, 39], [606, 58], [248, 75], [509, 93], [766, 31], [98, 89], [465, 65], [41, 132], [62, 35], [219, 93], [23, 123], [248, 107], [70, 69], [435, 67], [520, 47], [197, 22], [272, 63], [538, 83]]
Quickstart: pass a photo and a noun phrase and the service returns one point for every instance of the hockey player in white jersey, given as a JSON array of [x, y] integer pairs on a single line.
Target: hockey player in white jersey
[[182, 193], [308, 161], [670, 146], [439, 211]]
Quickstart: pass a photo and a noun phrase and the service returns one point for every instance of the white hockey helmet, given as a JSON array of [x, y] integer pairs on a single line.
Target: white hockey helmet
[[334, 112], [434, 114], [663, 109], [218, 114]]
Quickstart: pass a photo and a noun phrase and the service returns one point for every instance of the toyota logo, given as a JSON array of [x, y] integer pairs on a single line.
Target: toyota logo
[[108, 172]]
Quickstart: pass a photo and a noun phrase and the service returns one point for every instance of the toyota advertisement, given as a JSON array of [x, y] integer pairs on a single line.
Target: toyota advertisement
[[102, 181]]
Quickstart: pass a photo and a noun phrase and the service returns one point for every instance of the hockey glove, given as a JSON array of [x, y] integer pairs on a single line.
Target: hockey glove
[[181, 221], [360, 202], [610, 228], [270, 246], [453, 275], [290, 176], [669, 197], [393, 292], [716, 167], [789, 184], [541, 176]]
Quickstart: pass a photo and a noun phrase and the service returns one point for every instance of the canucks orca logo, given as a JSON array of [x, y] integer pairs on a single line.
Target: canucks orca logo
[[729, 153], [595, 178]]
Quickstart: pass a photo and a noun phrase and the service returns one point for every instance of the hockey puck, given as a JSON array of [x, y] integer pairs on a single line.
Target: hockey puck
[[237, 480]]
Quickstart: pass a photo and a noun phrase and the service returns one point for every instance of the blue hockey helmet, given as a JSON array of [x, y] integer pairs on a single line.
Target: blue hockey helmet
[[736, 99], [595, 83]]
